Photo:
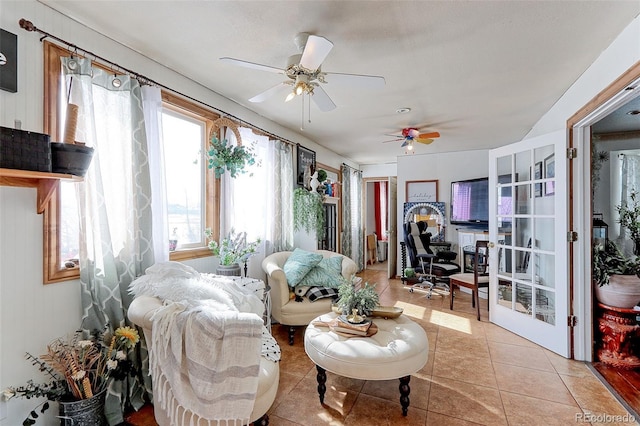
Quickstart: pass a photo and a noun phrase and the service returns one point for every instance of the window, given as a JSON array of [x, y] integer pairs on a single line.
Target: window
[[192, 202]]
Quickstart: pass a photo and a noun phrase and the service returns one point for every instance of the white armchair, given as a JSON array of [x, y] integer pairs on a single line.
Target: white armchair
[[288, 311]]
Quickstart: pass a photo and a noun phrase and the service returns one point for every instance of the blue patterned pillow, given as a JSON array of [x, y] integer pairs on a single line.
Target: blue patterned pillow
[[328, 273], [299, 264]]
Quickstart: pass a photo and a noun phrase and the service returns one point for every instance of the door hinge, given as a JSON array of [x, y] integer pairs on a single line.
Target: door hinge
[[572, 153], [572, 320], [572, 236]]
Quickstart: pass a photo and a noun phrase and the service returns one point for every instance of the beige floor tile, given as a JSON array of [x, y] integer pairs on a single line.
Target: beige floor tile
[[526, 411], [566, 366], [287, 382], [465, 401], [495, 333], [604, 419], [465, 367], [437, 419], [523, 356], [389, 390], [592, 395], [461, 343], [535, 383], [372, 411], [302, 404]]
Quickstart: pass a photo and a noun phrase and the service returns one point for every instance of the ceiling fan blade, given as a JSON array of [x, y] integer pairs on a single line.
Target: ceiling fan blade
[[357, 80], [322, 100], [315, 52], [252, 65], [424, 141], [393, 140], [261, 97], [431, 135]]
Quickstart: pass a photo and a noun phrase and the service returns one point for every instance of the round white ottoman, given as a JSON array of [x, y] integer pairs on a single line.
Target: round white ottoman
[[399, 349]]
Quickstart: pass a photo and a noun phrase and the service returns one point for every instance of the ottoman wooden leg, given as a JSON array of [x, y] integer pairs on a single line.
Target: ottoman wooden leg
[[404, 394], [322, 379]]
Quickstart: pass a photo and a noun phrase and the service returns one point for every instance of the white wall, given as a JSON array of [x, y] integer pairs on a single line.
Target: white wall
[[445, 168], [33, 314], [379, 170]]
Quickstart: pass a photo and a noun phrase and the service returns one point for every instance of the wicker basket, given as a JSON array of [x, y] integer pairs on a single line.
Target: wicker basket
[[24, 150]]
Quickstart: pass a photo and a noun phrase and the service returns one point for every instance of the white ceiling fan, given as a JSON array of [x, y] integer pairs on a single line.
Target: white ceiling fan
[[304, 73]]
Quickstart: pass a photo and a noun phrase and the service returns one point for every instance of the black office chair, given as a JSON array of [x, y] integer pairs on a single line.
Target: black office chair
[[433, 268]]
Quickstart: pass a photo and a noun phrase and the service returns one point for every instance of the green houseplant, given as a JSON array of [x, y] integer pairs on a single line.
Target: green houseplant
[[232, 249], [308, 211], [629, 218], [232, 158], [364, 299]]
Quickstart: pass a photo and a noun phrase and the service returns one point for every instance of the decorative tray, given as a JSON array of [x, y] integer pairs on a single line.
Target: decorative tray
[[380, 312], [387, 312]]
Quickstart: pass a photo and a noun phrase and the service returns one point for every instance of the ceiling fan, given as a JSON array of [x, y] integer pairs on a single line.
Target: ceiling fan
[[304, 74], [410, 135]]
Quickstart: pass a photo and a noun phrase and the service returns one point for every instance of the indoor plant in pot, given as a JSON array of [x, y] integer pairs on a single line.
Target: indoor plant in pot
[[79, 369], [231, 250], [617, 276]]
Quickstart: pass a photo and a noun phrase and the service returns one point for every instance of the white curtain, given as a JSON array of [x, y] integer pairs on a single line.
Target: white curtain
[[115, 206], [259, 202], [152, 104]]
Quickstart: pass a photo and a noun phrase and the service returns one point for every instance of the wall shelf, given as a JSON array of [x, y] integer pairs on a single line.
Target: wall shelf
[[45, 182]]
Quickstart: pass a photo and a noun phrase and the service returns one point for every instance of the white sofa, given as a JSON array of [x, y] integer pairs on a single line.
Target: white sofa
[[140, 312], [284, 309], [209, 303]]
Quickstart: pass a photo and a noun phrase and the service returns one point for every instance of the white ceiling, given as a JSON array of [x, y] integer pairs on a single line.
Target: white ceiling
[[480, 73]]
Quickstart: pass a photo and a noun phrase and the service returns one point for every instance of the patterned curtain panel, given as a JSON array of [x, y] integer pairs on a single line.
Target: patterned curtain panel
[[115, 207], [352, 229]]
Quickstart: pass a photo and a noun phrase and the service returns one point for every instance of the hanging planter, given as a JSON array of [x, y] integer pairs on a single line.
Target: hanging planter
[[308, 211], [223, 156]]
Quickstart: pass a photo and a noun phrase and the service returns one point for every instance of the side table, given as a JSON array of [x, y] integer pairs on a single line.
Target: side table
[[619, 332]]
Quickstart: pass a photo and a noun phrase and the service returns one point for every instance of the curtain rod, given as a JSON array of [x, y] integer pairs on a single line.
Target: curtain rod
[[352, 168], [28, 25]]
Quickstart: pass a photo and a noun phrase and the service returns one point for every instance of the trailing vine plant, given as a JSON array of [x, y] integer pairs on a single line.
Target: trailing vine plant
[[308, 212]]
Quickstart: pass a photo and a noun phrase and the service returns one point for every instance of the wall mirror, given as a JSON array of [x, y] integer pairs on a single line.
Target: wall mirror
[[432, 213]]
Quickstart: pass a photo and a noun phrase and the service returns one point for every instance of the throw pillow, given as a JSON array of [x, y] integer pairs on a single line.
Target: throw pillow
[[316, 293], [328, 273], [299, 264]]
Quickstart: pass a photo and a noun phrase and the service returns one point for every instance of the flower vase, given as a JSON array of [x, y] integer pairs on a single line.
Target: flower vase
[[229, 270], [85, 412]]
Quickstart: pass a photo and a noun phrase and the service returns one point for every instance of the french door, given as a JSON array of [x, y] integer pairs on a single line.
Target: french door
[[528, 226]]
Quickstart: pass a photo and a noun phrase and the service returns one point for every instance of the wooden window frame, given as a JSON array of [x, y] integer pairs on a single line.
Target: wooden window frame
[[52, 270]]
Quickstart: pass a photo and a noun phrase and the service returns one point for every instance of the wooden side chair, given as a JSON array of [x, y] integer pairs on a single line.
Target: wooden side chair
[[372, 248], [473, 280]]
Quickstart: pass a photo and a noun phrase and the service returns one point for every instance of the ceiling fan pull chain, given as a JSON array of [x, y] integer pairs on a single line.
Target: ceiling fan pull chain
[[309, 107], [302, 115]]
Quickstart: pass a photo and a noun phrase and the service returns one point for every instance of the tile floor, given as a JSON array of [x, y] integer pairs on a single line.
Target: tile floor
[[477, 373]]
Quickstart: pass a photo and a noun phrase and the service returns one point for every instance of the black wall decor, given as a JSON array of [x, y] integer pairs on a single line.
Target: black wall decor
[[8, 61], [306, 157]]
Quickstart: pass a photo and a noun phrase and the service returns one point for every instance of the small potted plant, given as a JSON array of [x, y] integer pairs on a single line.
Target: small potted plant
[[231, 250], [80, 369], [364, 299]]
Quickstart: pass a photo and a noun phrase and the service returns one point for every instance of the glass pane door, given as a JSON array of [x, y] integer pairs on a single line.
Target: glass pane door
[[528, 227]]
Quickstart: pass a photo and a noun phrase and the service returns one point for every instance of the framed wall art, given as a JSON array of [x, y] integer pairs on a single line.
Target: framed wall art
[[8, 61], [537, 174], [306, 157], [422, 191], [550, 173]]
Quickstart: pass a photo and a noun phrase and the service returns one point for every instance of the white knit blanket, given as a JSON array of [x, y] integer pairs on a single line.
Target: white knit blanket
[[206, 360]]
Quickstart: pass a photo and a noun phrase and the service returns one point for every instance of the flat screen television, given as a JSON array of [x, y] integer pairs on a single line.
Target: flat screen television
[[470, 202]]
